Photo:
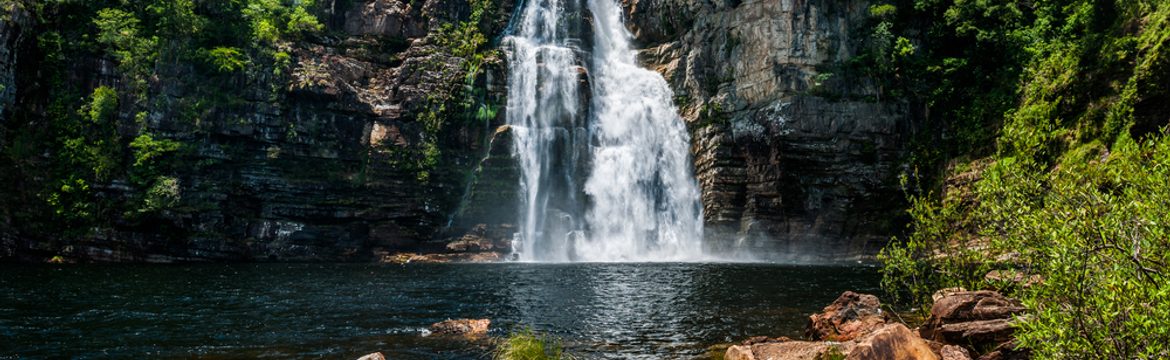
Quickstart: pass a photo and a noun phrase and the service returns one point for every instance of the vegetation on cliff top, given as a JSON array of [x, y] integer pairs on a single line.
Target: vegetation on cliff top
[[1053, 120]]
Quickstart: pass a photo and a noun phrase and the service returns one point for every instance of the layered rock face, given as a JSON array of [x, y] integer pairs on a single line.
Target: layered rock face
[[303, 167], [797, 158]]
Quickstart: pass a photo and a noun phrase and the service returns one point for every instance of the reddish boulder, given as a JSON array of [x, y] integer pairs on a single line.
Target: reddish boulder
[[787, 350], [955, 352], [465, 327], [892, 342], [849, 317]]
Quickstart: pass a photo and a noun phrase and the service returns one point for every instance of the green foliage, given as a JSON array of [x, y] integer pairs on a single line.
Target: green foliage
[[147, 150], [466, 41], [136, 53], [94, 143], [527, 345], [104, 105], [164, 194], [227, 59], [271, 20], [1074, 198]]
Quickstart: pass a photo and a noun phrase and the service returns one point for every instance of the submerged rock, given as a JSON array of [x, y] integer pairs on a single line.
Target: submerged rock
[[373, 356], [464, 327], [850, 317]]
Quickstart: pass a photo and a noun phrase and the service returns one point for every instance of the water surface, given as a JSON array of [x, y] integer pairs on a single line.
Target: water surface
[[346, 310]]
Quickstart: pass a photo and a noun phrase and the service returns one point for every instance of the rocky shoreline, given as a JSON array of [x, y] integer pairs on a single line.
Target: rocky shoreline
[[962, 325]]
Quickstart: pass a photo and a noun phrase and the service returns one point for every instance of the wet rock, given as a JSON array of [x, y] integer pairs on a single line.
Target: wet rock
[[373, 356], [464, 327], [971, 318], [849, 317], [892, 342], [954, 352]]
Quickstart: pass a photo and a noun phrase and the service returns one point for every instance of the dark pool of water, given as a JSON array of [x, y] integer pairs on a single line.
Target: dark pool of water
[[346, 310]]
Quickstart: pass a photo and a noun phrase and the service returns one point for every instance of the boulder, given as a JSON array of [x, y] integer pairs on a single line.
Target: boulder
[[849, 317], [373, 356], [787, 350], [892, 342], [971, 318], [955, 352], [464, 327]]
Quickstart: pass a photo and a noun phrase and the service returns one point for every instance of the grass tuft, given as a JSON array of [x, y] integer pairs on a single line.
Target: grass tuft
[[528, 345]]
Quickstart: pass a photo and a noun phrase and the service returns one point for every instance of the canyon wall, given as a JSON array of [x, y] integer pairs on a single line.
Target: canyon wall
[[798, 156]]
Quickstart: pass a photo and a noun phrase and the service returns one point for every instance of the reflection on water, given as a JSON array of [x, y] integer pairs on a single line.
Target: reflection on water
[[346, 310]]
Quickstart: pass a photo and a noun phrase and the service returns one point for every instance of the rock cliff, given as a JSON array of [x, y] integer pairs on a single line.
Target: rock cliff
[[320, 164], [797, 156]]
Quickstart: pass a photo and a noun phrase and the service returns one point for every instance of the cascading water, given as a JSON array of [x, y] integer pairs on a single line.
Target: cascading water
[[606, 174]]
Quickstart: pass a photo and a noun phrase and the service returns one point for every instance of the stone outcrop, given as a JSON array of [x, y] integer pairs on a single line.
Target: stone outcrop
[[796, 156], [851, 316], [463, 327]]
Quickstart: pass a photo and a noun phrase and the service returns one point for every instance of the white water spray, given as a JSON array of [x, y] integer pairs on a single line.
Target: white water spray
[[638, 200]]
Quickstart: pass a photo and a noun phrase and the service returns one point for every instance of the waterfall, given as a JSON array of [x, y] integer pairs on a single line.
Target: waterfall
[[604, 155]]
